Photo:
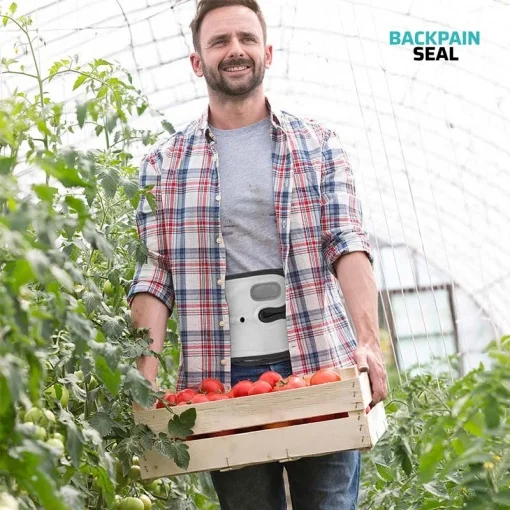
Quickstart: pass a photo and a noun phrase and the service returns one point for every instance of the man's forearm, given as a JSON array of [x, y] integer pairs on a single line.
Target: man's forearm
[[359, 288], [149, 312]]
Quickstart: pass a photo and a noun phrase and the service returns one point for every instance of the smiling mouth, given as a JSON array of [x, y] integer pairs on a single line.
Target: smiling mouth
[[235, 69]]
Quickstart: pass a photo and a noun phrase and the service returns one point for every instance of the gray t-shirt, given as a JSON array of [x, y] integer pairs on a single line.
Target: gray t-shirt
[[247, 211]]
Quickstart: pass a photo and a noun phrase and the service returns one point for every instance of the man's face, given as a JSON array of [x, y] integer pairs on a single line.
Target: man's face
[[233, 56]]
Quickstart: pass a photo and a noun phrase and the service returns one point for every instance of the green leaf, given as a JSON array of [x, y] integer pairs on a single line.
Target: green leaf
[[5, 20], [168, 127], [44, 192], [62, 277], [77, 205], [492, 412], [110, 378], [181, 425], [13, 7], [6, 164], [430, 460], [164, 445], [140, 388], [180, 454], [102, 423], [101, 62], [79, 81], [111, 182], [384, 472], [436, 490], [81, 114], [74, 437]]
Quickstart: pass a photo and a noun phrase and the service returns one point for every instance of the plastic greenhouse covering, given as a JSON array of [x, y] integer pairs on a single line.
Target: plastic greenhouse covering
[[428, 141]]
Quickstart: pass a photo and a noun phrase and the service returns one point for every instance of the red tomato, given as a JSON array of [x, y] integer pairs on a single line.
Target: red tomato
[[211, 386], [198, 399], [271, 377], [169, 397], [185, 395], [217, 396], [325, 375], [290, 383], [241, 389], [259, 387]]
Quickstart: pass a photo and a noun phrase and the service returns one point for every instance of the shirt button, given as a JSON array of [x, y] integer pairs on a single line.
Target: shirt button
[[218, 198], [223, 362], [218, 240], [221, 324], [220, 282]]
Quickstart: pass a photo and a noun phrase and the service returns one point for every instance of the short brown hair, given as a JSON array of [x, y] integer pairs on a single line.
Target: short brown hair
[[205, 6]]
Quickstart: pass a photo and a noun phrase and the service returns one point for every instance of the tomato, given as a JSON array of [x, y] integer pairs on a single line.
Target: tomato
[[217, 396], [271, 377], [131, 504], [185, 395], [241, 389], [57, 445], [169, 397], [49, 416], [64, 394], [135, 461], [211, 385], [326, 417], [108, 288], [278, 424], [290, 383], [134, 472], [39, 433], [259, 387], [35, 415], [199, 399], [323, 376], [147, 503], [57, 435]]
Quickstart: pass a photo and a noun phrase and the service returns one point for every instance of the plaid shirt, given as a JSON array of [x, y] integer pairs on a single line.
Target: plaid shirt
[[319, 218]]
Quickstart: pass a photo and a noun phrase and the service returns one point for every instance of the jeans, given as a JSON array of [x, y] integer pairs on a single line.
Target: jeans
[[327, 482]]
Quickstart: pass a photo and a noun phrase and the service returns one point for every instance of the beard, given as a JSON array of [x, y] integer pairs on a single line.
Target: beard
[[219, 81]]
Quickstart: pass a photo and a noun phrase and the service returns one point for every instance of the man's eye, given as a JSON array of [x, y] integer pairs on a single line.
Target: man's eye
[[220, 41]]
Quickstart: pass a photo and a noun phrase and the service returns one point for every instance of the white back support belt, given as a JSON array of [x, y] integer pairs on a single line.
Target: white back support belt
[[256, 303]]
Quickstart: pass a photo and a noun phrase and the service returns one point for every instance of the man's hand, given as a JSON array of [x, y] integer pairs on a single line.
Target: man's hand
[[369, 358]]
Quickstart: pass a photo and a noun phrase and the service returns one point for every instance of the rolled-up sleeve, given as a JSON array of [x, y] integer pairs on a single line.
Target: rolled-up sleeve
[[341, 211], [153, 276]]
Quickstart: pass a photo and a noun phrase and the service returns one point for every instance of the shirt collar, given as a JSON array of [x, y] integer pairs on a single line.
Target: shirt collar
[[274, 113]]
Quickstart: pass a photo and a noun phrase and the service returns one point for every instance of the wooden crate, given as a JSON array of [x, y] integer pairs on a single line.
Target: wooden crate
[[351, 395]]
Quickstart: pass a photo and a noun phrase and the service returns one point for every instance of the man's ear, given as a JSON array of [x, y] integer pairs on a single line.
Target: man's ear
[[196, 64], [268, 54]]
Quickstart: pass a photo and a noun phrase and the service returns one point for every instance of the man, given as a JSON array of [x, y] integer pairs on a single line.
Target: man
[[256, 220]]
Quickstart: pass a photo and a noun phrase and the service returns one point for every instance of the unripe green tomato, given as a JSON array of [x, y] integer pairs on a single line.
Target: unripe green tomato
[[135, 461], [57, 445], [50, 416], [64, 398], [93, 383], [59, 436], [108, 288], [35, 415], [131, 504], [134, 472], [147, 503], [79, 375], [8, 502], [40, 433]]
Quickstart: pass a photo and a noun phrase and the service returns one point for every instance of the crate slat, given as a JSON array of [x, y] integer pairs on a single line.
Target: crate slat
[[281, 444]]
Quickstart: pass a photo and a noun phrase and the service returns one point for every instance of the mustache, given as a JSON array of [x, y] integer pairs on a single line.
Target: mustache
[[236, 62]]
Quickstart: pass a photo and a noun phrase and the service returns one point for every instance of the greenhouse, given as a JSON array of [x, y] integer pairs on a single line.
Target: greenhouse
[[88, 90]]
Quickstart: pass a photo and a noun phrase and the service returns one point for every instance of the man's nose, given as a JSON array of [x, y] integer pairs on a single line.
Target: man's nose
[[235, 49]]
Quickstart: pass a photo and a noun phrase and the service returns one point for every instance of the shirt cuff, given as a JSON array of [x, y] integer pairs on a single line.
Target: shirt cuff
[[348, 243], [154, 281]]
